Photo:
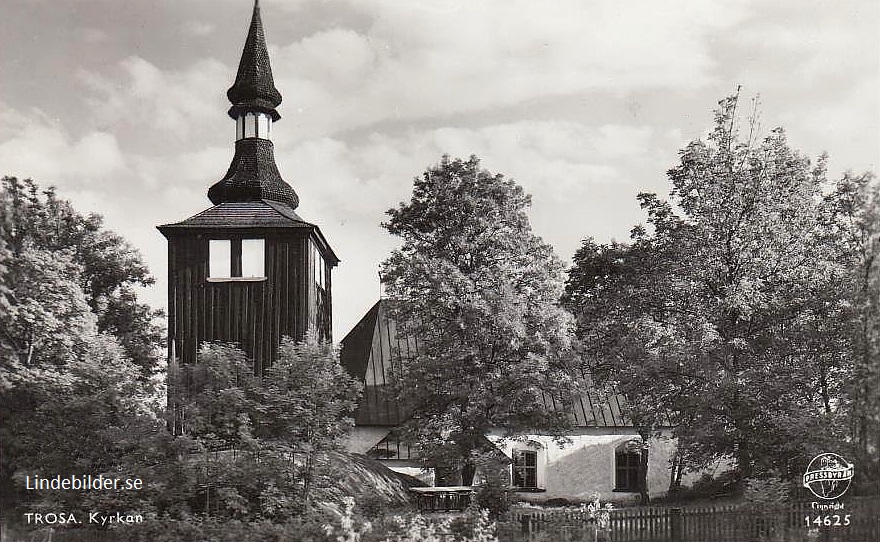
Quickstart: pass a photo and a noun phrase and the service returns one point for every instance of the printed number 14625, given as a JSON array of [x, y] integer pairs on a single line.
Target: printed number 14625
[[827, 521]]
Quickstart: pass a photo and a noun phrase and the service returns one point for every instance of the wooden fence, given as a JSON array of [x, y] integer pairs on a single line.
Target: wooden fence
[[713, 523]]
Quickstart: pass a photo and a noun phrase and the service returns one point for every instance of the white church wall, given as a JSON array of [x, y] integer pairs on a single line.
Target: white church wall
[[586, 464]]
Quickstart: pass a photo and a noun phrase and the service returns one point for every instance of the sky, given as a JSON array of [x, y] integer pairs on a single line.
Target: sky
[[122, 106]]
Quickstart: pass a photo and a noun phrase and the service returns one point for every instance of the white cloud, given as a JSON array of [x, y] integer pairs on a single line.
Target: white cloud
[[840, 123], [199, 28], [572, 170], [32, 145], [94, 35], [419, 61], [163, 106], [375, 91]]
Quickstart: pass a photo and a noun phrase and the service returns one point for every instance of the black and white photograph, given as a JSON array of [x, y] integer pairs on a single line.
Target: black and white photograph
[[439, 271]]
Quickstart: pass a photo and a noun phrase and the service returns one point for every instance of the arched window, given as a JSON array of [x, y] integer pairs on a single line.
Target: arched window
[[627, 458]]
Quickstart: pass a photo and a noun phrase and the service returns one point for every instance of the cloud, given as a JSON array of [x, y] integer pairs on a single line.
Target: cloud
[[199, 28], [160, 107], [94, 35], [561, 163], [416, 61], [33, 145], [839, 123], [583, 103], [572, 170]]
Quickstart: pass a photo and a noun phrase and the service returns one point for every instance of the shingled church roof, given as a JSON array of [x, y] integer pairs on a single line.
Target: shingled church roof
[[374, 346], [253, 174], [254, 89], [239, 215]]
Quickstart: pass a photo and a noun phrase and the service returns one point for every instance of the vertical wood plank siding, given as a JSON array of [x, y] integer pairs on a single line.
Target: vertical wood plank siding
[[254, 314]]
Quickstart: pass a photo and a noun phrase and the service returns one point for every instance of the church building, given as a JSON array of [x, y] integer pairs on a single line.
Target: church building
[[602, 456], [249, 270]]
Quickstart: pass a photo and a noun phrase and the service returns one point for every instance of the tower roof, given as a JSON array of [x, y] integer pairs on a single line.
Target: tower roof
[[252, 176], [254, 88]]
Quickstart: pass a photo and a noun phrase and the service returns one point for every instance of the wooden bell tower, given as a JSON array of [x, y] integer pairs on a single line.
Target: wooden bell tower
[[248, 270]]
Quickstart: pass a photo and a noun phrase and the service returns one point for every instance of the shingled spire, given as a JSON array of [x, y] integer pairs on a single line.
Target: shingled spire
[[254, 89], [253, 175]]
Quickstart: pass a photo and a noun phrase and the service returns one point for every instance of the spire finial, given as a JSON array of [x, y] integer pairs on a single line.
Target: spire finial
[[254, 89]]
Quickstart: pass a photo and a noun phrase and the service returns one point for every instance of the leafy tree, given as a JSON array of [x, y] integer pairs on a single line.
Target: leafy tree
[[38, 225], [304, 406], [46, 318], [72, 400], [211, 399], [264, 440], [90, 414], [853, 223], [716, 318], [480, 293]]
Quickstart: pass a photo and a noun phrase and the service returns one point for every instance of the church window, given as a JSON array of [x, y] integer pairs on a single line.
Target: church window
[[253, 125], [250, 125], [253, 258], [264, 125], [219, 258], [525, 469], [230, 259], [322, 300], [626, 467], [320, 274]]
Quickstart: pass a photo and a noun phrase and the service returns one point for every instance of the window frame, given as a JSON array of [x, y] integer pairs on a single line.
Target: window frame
[[521, 470], [235, 256], [626, 469]]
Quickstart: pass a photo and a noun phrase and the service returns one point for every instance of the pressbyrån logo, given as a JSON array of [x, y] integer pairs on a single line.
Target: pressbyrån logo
[[828, 476]]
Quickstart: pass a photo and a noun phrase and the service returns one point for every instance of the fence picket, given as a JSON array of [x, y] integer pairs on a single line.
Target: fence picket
[[704, 523]]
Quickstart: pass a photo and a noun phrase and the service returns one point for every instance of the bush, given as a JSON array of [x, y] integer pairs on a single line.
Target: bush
[[475, 526], [767, 490], [726, 483], [214, 530], [493, 494]]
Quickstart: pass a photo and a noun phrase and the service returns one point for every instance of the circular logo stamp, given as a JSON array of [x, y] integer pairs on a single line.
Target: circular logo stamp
[[828, 476]]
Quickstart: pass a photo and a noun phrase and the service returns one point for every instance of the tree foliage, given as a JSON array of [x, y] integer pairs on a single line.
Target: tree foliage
[[72, 399], [75, 398], [46, 318], [60, 266], [731, 315], [479, 291], [266, 438], [853, 222]]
